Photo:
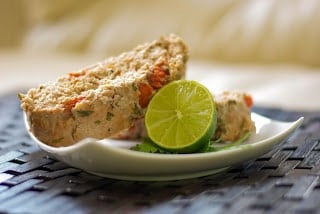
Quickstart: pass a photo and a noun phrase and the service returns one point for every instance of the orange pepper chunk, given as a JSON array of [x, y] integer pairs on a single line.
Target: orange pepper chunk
[[158, 77], [71, 103], [145, 94], [248, 100]]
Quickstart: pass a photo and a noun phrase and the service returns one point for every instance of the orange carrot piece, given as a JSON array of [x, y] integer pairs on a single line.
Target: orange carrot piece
[[158, 77], [145, 94], [248, 100], [71, 103]]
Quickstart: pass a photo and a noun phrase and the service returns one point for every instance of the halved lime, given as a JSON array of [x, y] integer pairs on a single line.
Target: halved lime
[[181, 117]]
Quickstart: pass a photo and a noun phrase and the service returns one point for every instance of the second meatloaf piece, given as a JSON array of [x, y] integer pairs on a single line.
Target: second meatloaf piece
[[234, 115], [103, 99]]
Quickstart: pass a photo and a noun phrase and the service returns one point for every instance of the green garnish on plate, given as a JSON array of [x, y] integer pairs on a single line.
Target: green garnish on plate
[[212, 146]]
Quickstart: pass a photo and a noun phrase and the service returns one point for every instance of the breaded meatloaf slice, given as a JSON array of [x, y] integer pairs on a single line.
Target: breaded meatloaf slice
[[103, 99]]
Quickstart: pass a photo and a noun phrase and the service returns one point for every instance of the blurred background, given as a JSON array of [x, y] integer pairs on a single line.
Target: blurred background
[[270, 48]]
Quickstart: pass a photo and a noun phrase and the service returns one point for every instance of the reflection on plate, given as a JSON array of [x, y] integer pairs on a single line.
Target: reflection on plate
[[114, 159]]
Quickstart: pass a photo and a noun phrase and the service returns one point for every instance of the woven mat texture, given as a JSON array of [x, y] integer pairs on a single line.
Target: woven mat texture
[[285, 180]]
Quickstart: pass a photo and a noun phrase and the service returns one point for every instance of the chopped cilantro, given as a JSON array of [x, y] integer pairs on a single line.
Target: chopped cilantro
[[109, 116], [82, 113], [97, 122], [20, 96], [136, 109], [232, 102], [148, 146], [54, 141], [134, 87]]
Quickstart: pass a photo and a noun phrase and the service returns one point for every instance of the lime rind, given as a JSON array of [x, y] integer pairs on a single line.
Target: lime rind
[[181, 117]]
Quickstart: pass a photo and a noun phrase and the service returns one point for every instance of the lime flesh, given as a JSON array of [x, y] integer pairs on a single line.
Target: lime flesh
[[181, 117]]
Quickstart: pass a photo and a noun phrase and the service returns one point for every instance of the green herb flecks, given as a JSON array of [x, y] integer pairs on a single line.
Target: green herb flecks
[[136, 109], [21, 96], [134, 87], [232, 102], [109, 116], [97, 122], [58, 140], [83, 113]]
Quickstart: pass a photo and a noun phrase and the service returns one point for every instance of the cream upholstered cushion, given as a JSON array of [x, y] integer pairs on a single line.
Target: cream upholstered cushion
[[232, 30]]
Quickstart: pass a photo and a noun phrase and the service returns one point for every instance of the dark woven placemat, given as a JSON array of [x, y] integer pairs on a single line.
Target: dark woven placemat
[[285, 180]]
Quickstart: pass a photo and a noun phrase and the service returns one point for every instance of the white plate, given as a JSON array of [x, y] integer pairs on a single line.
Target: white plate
[[114, 159]]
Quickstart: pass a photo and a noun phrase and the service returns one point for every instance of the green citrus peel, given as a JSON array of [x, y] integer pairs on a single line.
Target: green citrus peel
[[181, 117]]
